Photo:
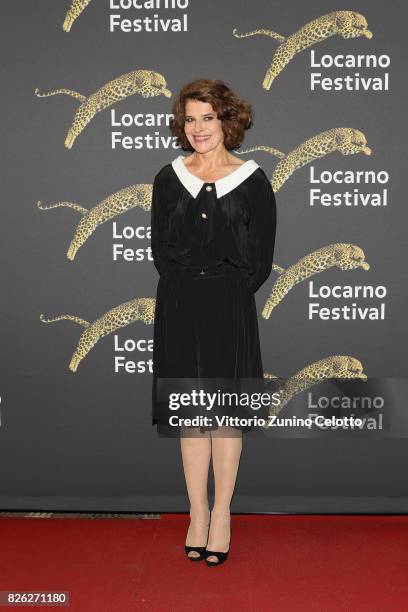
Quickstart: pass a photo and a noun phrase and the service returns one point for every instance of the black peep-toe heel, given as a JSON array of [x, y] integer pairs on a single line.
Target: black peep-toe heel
[[202, 550], [222, 556]]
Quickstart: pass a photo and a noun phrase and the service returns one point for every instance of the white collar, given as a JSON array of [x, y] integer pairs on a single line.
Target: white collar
[[223, 186]]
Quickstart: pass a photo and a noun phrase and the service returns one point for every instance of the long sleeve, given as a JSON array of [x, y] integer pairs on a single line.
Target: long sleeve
[[261, 236], [156, 224]]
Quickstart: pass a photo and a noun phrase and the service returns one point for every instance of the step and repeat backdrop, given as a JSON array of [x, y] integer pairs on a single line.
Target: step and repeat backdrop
[[88, 88]]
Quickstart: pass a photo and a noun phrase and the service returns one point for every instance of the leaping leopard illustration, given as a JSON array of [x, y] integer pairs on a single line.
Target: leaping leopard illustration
[[147, 83], [347, 141], [342, 255], [138, 309], [347, 24], [336, 366], [115, 204]]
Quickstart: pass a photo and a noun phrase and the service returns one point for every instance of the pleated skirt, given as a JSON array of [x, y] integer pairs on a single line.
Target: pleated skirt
[[206, 329]]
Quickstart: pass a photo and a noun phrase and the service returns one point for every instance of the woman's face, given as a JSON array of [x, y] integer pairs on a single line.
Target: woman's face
[[202, 127]]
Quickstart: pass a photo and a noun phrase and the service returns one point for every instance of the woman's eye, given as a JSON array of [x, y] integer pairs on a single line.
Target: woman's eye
[[189, 120]]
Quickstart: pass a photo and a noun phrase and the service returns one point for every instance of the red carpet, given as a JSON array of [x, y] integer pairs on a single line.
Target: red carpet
[[277, 562]]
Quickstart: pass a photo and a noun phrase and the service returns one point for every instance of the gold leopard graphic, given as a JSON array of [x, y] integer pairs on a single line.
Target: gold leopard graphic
[[74, 11], [144, 82], [347, 141], [340, 255], [335, 366], [347, 24], [115, 204], [138, 309]]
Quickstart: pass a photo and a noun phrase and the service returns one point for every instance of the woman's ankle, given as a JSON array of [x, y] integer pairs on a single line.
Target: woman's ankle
[[199, 511], [221, 512]]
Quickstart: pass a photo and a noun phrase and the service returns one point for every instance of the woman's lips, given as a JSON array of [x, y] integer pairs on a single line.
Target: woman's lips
[[201, 138]]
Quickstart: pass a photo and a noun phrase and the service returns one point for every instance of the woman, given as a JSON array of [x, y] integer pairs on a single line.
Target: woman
[[213, 223]]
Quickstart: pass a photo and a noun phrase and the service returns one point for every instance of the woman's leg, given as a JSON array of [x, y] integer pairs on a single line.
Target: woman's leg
[[196, 455], [226, 453]]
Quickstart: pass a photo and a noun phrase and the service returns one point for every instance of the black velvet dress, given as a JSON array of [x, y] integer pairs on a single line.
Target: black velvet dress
[[212, 245]]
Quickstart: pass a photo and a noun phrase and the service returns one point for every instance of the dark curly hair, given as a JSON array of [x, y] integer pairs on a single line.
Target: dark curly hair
[[236, 114]]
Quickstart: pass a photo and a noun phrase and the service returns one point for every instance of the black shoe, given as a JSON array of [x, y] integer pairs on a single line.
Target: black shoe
[[222, 556], [202, 550]]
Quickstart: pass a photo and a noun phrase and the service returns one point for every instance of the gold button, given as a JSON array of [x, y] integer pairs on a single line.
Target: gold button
[[209, 188], [204, 216]]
